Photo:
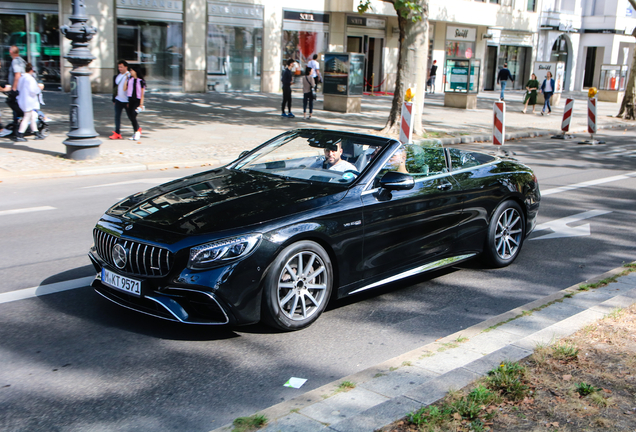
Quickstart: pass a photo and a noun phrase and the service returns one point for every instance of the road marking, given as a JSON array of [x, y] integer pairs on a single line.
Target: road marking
[[43, 290], [587, 184], [561, 228], [26, 210], [153, 181]]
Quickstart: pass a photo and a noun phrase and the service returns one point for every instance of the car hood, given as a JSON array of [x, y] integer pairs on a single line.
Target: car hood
[[223, 199]]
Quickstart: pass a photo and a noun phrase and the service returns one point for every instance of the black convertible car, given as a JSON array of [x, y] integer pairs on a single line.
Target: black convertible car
[[309, 215]]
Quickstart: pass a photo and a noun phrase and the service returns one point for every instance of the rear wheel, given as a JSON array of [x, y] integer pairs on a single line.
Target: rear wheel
[[505, 235], [297, 287]]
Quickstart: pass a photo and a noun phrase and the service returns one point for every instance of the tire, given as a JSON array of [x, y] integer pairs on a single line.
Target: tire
[[45, 132], [293, 301], [506, 233]]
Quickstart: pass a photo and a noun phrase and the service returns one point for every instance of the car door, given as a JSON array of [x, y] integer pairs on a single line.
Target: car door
[[482, 192], [408, 227]]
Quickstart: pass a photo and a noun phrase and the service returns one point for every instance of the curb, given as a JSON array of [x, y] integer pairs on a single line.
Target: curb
[[110, 169], [148, 166], [440, 385]]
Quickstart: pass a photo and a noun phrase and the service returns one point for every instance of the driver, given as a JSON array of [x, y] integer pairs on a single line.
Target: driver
[[332, 160]]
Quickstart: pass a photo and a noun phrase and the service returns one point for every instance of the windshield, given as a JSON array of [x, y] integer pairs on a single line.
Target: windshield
[[313, 155]]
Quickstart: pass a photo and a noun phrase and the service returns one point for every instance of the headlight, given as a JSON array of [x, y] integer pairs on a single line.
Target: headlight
[[222, 251]]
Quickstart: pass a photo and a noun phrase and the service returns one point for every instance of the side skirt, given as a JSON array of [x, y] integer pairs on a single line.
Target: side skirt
[[421, 269]]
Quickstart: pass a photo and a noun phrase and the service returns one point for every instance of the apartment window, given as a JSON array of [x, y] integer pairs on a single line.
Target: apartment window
[[532, 4]]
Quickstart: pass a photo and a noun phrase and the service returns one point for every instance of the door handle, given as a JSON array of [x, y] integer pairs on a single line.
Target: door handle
[[445, 186]]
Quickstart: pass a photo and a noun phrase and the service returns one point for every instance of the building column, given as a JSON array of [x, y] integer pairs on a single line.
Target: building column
[[194, 46], [101, 15], [272, 45]]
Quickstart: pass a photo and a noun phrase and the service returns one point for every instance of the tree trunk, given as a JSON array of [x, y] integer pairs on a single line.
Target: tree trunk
[[411, 68], [629, 100]]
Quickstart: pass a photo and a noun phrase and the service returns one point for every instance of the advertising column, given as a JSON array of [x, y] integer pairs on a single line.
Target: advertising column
[[460, 42]]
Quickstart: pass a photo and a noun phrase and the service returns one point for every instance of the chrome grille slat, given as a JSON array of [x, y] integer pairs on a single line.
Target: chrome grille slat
[[143, 259]]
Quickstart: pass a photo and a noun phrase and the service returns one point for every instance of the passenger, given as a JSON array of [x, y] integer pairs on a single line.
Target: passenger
[[332, 160], [397, 162]]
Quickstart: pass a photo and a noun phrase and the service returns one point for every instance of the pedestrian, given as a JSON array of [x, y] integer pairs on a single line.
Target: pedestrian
[[547, 88], [502, 77], [16, 69], [4, 87], [531, 96], [120, 98], [315, 70], [431, 77], [308, 92], [135, 90], [287, 92], [29, 102]]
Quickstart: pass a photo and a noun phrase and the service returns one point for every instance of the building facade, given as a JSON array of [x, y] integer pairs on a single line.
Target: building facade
[[204, 45]]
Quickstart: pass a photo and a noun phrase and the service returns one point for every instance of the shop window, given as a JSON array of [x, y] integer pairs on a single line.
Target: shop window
[[46, 55], [11, 27], [157, 47], [234, 58], [301, 46]]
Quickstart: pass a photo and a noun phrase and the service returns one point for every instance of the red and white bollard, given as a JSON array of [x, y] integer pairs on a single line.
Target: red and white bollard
[[406, 125], [567, 117], [499, 125], [591, 116], [591, 122]]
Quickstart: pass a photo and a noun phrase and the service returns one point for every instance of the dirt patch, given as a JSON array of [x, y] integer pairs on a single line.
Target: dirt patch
[[586, 382]]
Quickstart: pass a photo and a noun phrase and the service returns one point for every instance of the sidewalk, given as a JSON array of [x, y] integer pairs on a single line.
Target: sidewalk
[[391, 390], [214, 128]]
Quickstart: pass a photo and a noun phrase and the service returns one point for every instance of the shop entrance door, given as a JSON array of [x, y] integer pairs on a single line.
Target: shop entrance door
[[371, 47], [590, 66], [491, 68]]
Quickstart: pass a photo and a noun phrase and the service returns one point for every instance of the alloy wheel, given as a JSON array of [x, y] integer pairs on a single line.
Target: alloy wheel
[[302, 286], [508, 233]]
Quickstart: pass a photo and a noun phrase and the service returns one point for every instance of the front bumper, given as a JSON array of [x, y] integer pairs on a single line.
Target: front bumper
[[160, 299]]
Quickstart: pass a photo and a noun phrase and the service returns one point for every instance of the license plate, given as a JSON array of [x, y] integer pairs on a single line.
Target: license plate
[[122, 283]]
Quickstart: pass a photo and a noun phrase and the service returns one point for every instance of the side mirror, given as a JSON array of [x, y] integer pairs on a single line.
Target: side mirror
[[396, 181]]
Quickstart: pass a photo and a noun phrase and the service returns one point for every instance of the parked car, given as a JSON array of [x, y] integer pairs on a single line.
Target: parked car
[[275, 234]]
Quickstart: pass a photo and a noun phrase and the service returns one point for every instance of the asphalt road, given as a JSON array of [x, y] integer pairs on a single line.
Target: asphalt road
[[71, 361]]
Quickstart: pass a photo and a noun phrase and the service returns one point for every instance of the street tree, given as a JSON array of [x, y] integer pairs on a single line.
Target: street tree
[[629, 100], [412, 57]]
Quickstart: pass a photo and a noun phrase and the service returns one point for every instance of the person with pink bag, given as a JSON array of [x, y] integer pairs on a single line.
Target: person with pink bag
[[135, 89]]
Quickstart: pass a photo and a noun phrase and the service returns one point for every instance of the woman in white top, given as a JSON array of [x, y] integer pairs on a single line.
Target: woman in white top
[[29, 101]]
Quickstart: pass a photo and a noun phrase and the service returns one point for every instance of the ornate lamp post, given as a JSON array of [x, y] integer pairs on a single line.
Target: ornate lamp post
[[82, 143]]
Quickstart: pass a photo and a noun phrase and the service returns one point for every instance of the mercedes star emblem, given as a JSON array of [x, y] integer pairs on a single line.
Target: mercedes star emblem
[[119, 256]]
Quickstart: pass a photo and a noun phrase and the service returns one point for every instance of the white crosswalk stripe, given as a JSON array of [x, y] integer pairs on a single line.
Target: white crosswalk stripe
[[25, 210]]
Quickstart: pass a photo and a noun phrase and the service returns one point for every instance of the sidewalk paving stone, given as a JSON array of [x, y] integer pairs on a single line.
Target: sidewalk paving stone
[[294, 422], [378, 416], [489, 341], [396, 383], [527, 324], [559, 311], [443, 362], [612, 304], [435, 389], [343, 405], [494, 359]]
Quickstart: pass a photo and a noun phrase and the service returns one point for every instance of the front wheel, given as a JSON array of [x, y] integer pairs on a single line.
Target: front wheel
[[505, 235], [297, 287]]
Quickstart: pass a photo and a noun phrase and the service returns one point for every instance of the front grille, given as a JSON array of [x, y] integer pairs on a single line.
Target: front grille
[[142, 259]]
